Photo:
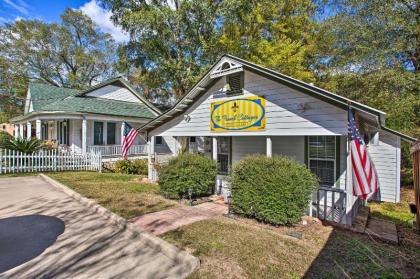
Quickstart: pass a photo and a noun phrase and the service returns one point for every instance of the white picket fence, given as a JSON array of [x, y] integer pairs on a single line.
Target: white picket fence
[[12, 161]]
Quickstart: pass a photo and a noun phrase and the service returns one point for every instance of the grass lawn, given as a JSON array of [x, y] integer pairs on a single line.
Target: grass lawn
[[120, 193], [246, 249], [398, 213]]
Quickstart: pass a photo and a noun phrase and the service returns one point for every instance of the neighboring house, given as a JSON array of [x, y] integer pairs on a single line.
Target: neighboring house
[[8, 128], [238, 108], [85, 121]]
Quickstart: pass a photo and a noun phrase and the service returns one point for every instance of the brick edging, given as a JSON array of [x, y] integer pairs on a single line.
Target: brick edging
[[166, 248]]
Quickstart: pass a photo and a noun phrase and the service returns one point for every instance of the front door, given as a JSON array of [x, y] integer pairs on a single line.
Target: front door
[[223, 165], [223, 155]]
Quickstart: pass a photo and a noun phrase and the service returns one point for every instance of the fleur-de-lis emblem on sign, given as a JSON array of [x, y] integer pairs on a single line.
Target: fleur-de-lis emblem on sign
[[235, 107]]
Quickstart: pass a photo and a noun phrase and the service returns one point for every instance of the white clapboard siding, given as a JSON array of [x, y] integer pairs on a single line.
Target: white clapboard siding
[[114, 93], [12, 161], [386, 156], [283, 116], [243, 146]]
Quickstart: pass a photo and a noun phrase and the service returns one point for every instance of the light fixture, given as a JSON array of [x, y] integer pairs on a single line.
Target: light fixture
[[187, 118]]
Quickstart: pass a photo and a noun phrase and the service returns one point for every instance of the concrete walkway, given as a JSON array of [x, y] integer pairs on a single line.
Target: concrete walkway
[[164, 221], [46, 233]]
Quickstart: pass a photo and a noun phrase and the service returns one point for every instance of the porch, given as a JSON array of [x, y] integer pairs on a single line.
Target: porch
[[326, 156], [82, 134]]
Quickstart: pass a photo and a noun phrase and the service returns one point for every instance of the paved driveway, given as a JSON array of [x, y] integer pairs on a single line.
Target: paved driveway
[[45, 233]]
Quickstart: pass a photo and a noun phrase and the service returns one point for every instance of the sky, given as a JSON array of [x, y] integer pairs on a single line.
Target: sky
[[50, 11]]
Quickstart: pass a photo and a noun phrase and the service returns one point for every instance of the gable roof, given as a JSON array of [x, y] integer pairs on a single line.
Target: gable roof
[[100, 106], [210, 77], [43, 94], [121, 82], [47, 98]]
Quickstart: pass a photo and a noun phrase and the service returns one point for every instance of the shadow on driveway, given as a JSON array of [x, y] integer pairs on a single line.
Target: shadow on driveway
[[25, 237]]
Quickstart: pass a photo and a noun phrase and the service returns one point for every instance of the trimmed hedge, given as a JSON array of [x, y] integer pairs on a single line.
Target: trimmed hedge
[[273, 190], [188, 171], [138, 166]]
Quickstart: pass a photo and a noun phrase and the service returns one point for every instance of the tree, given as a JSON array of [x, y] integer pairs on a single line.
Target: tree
[[369, 51], [173, 42], [368, 35], [72, 54], [170, 45], [276, 34]]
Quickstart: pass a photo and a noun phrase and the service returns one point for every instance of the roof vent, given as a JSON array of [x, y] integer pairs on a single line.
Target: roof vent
[[235, 82]]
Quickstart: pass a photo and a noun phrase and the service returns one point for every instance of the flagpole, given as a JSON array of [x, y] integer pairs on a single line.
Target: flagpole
[[349, 170]]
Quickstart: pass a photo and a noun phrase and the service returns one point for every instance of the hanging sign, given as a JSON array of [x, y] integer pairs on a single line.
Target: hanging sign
[[245, 114]]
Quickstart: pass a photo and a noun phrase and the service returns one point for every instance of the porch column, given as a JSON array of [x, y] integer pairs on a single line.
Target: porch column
[[21, 134], [84, 136], [28, 130], [38, 128], [150, 158], [269, 147], [122, 131], [214, 149], [16, 126]]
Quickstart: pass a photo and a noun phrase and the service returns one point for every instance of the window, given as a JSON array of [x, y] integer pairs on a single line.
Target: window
[[110, 133], [63, 132], [158, 140], [98, 133], [4, 127], [322, 158], [223, 151], [236, 82], [44, 131], [193, 139]]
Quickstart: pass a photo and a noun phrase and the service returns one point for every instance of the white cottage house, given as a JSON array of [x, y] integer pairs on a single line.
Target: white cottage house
[[85, 121], [239, 108]]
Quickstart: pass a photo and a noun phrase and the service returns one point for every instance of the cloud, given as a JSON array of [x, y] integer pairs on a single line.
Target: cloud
[[19, 5], [102, 18]]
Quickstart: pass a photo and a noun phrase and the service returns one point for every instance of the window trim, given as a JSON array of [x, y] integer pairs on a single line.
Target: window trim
[[103, 132], [309, 158], [63, 133], [115, 132], [161, 142]]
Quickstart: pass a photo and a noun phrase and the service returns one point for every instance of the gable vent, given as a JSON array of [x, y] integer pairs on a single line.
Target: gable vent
[[236, 82]]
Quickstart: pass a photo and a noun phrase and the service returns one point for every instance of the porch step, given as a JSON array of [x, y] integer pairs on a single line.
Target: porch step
[[361, 220], [382, 229]]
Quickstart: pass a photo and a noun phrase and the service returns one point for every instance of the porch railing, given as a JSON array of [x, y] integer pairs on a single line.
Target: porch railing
[[116, 150], [329, 204]]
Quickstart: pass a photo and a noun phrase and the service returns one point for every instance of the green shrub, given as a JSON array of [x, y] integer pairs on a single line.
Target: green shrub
[[4, 137], [188, 171], [22, 145], [273, 190], [138, 166], [124, 166], [407, 177]]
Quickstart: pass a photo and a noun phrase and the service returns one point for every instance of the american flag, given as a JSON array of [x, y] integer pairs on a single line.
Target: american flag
[[365, 178], [129, 135]]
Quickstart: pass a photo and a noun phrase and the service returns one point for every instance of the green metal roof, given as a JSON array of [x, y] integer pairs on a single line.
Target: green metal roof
[[44, 94], [100, 106]]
